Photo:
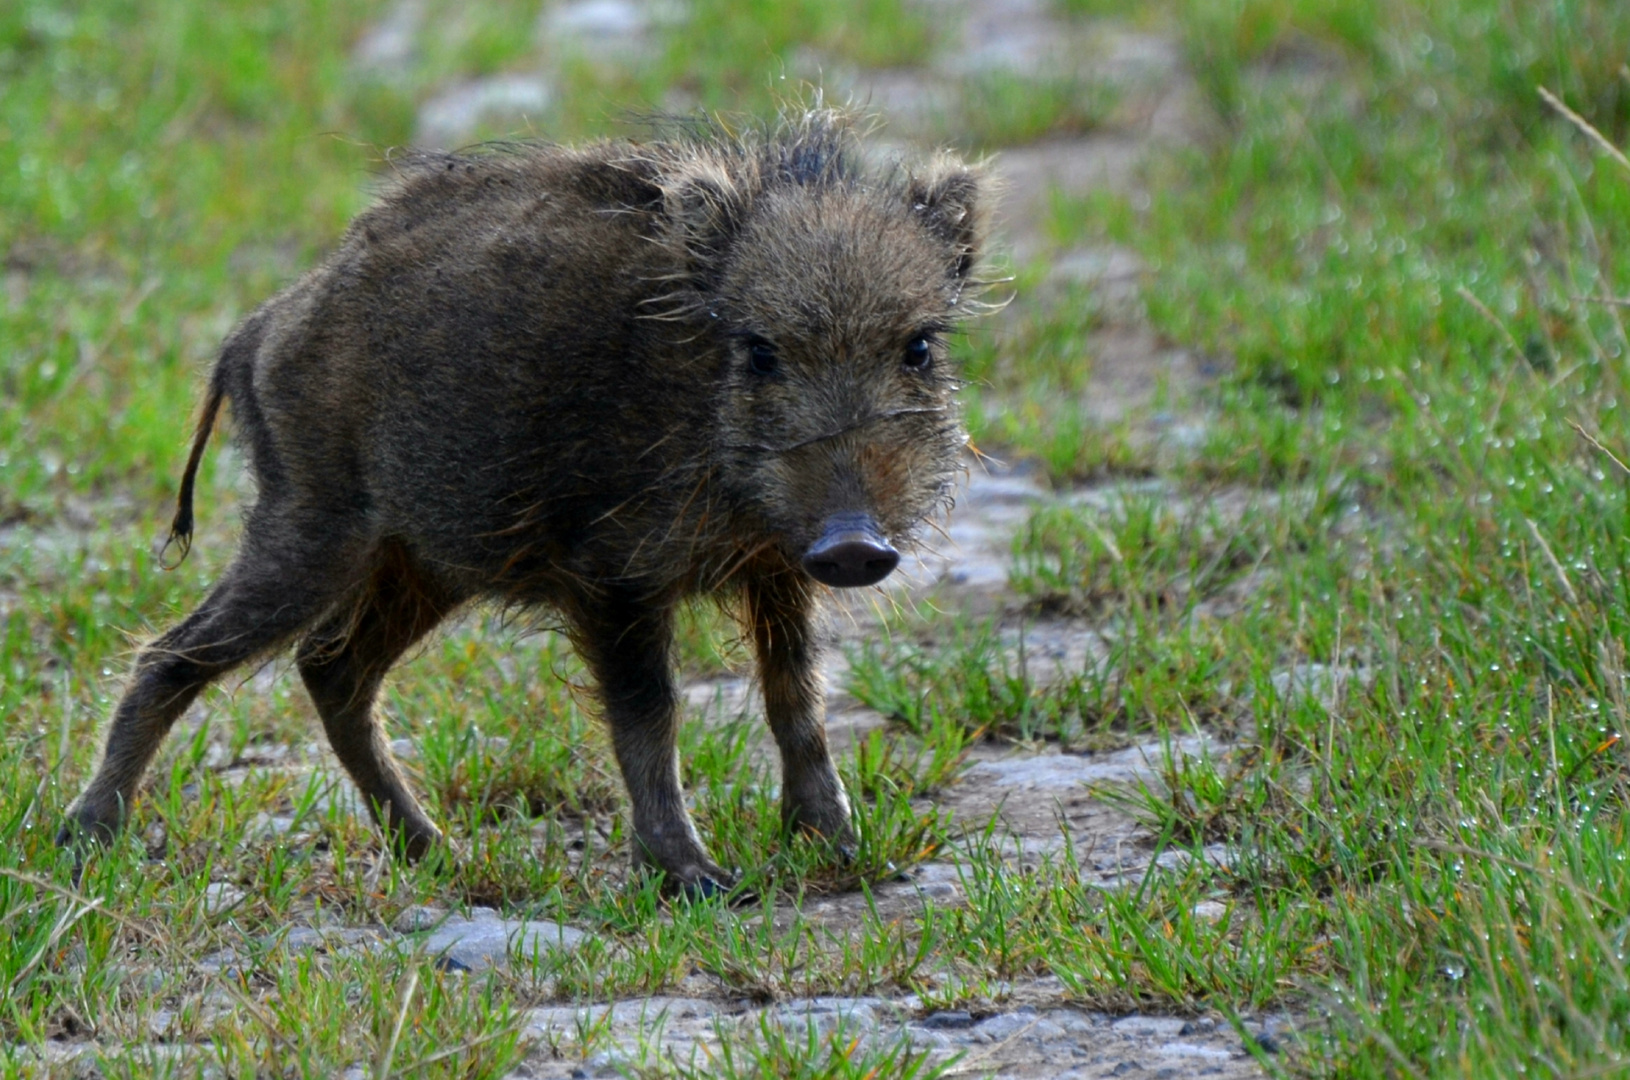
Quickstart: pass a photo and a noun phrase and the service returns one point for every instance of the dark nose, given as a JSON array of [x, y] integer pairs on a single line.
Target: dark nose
[[850, 553]]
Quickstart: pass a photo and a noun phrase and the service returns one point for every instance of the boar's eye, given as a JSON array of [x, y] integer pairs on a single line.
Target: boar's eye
[[761, 357], [919, 354]]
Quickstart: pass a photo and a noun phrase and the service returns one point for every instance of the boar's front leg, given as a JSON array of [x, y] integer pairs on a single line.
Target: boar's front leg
[[627, 644], [780, 608]]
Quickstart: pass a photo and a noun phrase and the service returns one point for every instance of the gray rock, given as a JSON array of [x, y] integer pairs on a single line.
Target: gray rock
[[421, 917], [1267, 1041], [936, 881], [645, 1010], [596, 19], [1072, 1022], [1015, 37], [1194, 1050], [327, 938], [159, 1023], [1323, 683], [927, 1040], [1066, 771], [1002, 1027], [264, 826], [452, 117], [485, 940], [552, 1022], [1149, 1027], [611, 30], [1096, 266], [225, 962], [991, 504], [1174, 860], [388, 49], [220, 897], [1045, 1031], [1010, 489]]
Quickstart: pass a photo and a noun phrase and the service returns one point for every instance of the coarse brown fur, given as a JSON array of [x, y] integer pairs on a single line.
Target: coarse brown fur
[[598, 380]]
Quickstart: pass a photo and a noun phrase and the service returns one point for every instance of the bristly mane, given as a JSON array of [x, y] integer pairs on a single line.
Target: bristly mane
[[701, 174]]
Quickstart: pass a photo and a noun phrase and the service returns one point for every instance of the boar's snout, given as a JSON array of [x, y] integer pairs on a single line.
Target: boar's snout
[[851, 552]]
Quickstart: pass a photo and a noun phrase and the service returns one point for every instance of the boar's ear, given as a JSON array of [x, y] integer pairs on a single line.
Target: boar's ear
[[704, 209], [946, 200]]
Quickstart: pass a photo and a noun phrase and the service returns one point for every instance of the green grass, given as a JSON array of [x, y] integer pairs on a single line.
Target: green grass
[[1003, 108], [1394, 249], [1396, 253]]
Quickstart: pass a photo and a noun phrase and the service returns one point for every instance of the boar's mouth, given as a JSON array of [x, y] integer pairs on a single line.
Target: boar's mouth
[[850, 553], [765, 448]]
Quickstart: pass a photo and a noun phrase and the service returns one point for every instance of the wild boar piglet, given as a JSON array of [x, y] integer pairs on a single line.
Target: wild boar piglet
[[597, 381]]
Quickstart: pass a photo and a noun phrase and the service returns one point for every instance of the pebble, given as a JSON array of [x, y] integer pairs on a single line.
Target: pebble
[[596, 18], [1160, 1027], [1002, 1026], [1067, 771], [485, 940], [388, 49], [1267, 1041], [1193, 1050], [1323, 683], [220, 897], [453, 117]]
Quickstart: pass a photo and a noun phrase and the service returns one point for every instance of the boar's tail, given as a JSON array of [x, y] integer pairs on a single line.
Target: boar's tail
[[181, 525]]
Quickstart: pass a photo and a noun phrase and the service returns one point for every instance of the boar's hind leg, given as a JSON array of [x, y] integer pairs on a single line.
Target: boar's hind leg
[[627, 646], [344, 660], [779, 608], [264, 599]]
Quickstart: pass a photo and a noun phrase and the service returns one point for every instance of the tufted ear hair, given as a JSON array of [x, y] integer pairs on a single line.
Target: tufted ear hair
[[946, 198], [704, 207]]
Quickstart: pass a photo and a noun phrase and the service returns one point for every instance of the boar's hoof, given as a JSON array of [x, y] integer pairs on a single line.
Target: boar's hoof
[[412, 845], [709, 888], [686, 872], [85, 828], [819, 818], [850, 553]]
